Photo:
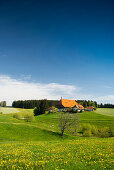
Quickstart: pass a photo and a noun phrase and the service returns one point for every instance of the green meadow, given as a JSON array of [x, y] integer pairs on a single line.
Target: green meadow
[[7, 110], [39, 145], [106, 111]]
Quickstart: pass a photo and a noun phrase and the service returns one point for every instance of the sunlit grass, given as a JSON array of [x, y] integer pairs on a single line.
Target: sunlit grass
[[84, 153], [106, 111], [7, 110], [39, 145]]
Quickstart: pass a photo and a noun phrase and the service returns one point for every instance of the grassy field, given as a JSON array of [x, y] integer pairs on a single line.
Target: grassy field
[[7, 110], [106, 111], [39, 145], [51, 120], [69, 154], [97, 119]]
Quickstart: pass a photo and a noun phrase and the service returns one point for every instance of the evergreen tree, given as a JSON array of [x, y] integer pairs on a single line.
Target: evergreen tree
[[43, 106], [85, 104], [101, 105], [41, 109], [95, 104], [4, 103]]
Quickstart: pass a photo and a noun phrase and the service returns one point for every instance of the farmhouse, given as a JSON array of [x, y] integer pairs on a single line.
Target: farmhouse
[[81, 107], [90, 108], [64, 104]]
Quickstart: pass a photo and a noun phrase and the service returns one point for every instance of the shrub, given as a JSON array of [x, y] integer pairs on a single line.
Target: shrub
[[28, 117], [95, 108], [36, 111], [1, 113], [53, 110], [90, 130], [105, 132], [87, 133], [17, 115], [85, 129], [94, 130]]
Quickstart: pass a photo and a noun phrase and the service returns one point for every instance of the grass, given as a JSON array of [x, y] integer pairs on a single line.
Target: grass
[[69, 154], [23, 132], [7, 110], [50, 121], [106, 111], [38, 144], [96, 119]]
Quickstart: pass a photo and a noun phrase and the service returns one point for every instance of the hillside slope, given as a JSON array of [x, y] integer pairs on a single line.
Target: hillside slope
[[106, 111]]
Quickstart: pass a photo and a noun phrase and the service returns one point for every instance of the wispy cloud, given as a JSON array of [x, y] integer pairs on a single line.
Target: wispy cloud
[[14, 89], [24, 89], [106, 99]]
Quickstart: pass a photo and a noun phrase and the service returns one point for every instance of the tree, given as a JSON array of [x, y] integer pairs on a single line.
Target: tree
[[29, 104], [43, 106], [83, 103], [101, 105], [41, 109], [4, 103], [68, 122], [96, 104], [36, 111], [88, 102]]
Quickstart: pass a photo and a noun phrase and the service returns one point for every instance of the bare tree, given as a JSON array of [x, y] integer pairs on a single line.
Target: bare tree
[[68, 122]]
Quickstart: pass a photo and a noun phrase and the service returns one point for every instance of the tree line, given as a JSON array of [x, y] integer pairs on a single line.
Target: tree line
[[30, 104], [3, 104], [87, 103], [106, 105]]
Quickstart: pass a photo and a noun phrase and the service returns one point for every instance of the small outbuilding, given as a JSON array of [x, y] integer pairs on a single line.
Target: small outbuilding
[[90, 108]]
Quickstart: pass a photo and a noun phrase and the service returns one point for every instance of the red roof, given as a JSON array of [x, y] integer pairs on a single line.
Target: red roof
[[90, 107]]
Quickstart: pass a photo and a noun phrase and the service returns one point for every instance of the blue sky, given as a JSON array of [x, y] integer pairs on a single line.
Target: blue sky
[[67, 43]]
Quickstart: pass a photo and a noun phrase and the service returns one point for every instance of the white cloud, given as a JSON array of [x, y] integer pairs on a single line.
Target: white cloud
[[20, 89], [106, 99], [14, 89]]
